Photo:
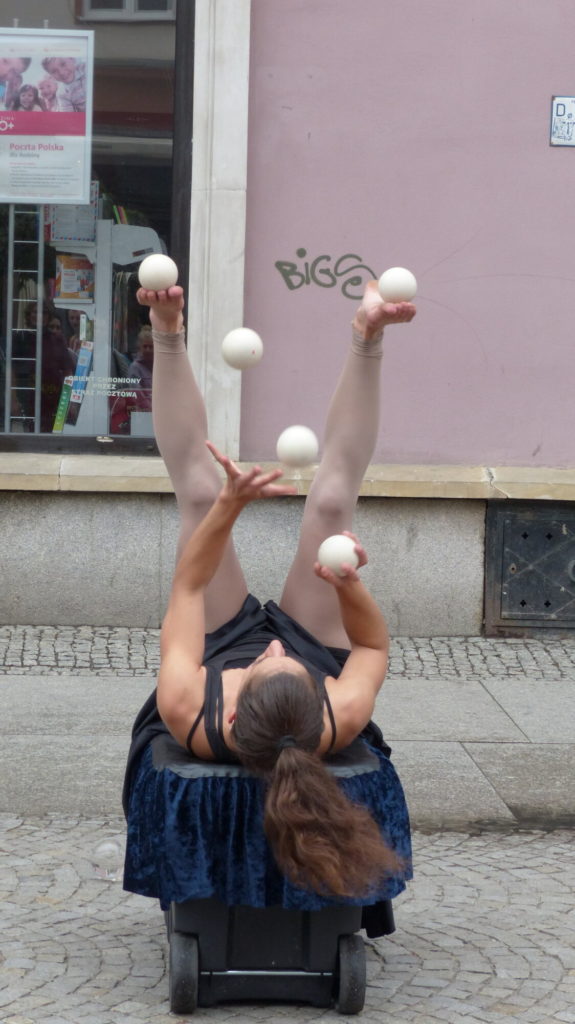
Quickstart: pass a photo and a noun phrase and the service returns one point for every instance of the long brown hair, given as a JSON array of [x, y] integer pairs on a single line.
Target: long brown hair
[[320, 840]]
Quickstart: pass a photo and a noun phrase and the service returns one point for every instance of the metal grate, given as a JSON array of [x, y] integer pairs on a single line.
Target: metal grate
[[529, 568]]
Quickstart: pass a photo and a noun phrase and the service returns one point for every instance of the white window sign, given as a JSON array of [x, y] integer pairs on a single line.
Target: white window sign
[[45, 115], [563, 121]]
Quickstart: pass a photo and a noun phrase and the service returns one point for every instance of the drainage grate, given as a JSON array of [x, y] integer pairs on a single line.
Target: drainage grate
[[529, 568]]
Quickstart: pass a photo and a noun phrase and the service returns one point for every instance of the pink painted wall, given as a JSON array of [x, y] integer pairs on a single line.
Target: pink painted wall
[[416, 133]]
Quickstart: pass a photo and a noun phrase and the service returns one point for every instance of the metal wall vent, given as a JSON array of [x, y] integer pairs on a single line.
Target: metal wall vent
[[529, 568]]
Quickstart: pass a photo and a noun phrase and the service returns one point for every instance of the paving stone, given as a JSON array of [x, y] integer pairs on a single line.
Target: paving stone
[[458, 954], [57, 649]]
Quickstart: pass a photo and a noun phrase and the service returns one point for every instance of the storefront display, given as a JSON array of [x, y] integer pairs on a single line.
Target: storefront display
[[71, 358]]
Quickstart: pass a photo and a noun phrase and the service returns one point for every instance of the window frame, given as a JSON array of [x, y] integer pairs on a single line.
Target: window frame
[[129, 12]]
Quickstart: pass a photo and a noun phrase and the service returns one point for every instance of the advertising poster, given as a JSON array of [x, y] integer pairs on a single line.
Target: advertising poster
[[45, 115], [74, 278]]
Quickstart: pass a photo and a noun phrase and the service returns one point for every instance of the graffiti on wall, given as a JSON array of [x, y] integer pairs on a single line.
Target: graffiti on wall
[[348, 273]]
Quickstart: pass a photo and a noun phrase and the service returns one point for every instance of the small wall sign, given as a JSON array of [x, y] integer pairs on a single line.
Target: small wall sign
[[563, 121]]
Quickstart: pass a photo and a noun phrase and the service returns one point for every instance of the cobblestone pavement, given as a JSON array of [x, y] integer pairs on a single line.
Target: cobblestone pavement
[[107, 651], [485, 935]]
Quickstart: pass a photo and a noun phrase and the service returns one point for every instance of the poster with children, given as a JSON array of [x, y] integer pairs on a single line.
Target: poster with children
[[45, 115]]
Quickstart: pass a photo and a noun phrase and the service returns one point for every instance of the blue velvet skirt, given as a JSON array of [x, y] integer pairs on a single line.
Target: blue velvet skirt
[[195, 829]]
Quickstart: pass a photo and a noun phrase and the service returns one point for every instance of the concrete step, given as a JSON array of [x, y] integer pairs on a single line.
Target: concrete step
[[497, 753]]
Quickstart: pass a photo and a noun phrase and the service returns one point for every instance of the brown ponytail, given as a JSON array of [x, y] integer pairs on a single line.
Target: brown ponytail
[[320, 840]]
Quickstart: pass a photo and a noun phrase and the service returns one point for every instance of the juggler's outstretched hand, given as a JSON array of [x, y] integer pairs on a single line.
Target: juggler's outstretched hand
[[374, 314], [165, 308], [249, 485]]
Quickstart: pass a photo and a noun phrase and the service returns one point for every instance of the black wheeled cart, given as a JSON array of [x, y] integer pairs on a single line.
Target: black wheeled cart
[[220, 953]]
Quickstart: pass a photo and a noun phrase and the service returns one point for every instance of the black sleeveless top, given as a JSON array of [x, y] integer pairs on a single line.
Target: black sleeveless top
[[233, 645], [241, 655]]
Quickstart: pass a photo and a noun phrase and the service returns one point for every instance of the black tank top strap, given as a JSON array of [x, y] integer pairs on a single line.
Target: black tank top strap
[[331, 717], [214, 714], [212, 711], [195, 724]]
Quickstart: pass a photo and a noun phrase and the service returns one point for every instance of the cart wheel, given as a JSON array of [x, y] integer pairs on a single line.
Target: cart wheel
[[184, 972], [351, 976]]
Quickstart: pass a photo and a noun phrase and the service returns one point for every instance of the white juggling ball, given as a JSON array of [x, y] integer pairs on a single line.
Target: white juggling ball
[[157, 272], [242, 348], [297, 446], [397, 285], [336, 551]]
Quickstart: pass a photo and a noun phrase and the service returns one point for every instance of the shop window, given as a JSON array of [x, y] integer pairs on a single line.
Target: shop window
[[136, 10], [75, 355], [78, 355]]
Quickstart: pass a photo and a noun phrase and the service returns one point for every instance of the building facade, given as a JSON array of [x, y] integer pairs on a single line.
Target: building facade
[[284, 153]]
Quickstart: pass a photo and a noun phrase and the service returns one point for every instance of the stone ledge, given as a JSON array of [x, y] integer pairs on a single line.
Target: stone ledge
[[125, 474]]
